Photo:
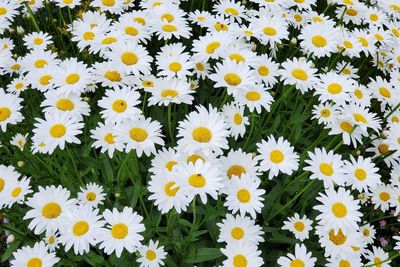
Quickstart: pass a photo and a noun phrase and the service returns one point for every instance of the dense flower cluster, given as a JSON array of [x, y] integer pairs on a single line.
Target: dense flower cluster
[[194, 91]]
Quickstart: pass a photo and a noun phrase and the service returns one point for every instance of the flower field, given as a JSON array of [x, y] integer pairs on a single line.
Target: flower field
[[200, 133]]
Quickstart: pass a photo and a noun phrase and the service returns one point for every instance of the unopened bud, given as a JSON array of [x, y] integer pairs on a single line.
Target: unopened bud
[[21, 163], [10, 239]]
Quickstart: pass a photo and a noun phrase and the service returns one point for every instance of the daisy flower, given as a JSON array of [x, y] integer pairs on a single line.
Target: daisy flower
[[243, 195], [152, 255], [10, 106], [71, 76], [57, 129], [300, 227], [171, 91], [65, 103], [325, 166], [235, 119], [92, 195], [333, 87], [325, 113], [104, 137], [368, 232], [47, 207], [300, 73], [381, 196], [52, 240], [338, 209], [121, 232], [237, 163], [80, 228], [300, 258], [239, 228], [140, 135], [110, 74], [266, 70], [377, 256], [277, 156], [203, 129], [234, 76], [200, 178], [211, 45], [37, 40], [19, 141], [255, 98], [37, 255], [242, 254], [361, 174], [274, 29], [119, 105], [319, 39]]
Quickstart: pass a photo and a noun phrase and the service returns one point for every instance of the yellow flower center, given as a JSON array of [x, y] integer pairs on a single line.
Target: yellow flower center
[[297, 263], [360, 174], [80, 228], [231, 11], [129, 58], [38, 41], [253, 96], [202, 134], [51, 240], [237, 233], [339, 210], [243, 195], [326, 169], [237, 57], [169, 28], [193, 158], [140, 21], [325, 113], [175, 66], [91, 196], [299, 226], [170, 164], [72, 78], [44, 80], [40, 63], [346, 126], [269, 31], [373, 17], [3, 11], [276, 156], [334, 88], [34, 262], [109, 138], [211, 47], [385, 92], [170, 192], [366, 232], [197, 180], [237, 170], [16, 191], [263, 70], [351, 12], [150, 255], [300, 74], [384, 196], [318, 41], [58, 130], [119, 231], [383, 148], [200, 66], [237, 119], [138, 134], [358, 93], [348, 44], [337, 239], [378, 262], [108, 2], [239, 261], [65, 104], [132, 31], [119, 105], [109, 40], [168, 17], [51, 210], [220, 27], [88, 36], [232, 79], [360, 118], [16, 67], [113, 76], [2, 183], [5, 113]]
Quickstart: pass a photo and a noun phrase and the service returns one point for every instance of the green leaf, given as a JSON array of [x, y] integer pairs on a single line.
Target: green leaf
[[9, 251], [203, 254]]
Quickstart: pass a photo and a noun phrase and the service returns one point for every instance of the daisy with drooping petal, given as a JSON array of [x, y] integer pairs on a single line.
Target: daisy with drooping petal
[[47, 207], [243, 195], [34, 256], [300, 227], [203, 129], [239, 228], [300, 258], [140, 135], [19, 141], [327, 167], [80, 228], [152, 255], [92, 194], [121, 232], [277, 156], [338, 210]]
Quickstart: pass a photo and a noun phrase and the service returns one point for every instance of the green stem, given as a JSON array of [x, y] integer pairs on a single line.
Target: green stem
[[392, 111], [32, 16], [251, 129], [171, 134], [379, 263]]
